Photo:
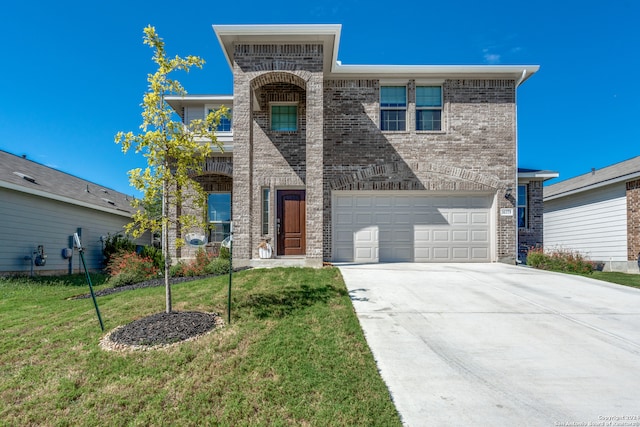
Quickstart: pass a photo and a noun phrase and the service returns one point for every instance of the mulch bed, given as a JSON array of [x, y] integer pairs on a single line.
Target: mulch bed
[[161, 330]]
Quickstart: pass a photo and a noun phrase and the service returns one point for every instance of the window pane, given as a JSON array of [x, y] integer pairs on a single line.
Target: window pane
[[522, 195], [393, 96], [225, 122], [428, 120], [219, 205], [392, 120], [219, 231], [284, 117], [265, 211], [428, 96], [522, 217]]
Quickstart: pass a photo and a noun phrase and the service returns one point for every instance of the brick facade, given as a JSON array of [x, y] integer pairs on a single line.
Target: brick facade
[[532, 235], [474, 152], [633, 220], [338, 144]]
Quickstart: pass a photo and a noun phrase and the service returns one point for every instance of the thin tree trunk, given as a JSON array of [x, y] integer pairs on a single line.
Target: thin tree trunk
[[165, 245]]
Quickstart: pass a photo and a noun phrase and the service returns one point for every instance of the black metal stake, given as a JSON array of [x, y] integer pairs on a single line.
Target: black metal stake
[[93, 295], [230, 279]]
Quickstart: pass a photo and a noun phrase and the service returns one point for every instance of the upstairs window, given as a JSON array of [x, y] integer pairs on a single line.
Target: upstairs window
[[393, 108], [225, 123], [284, 118], [522, 207], [429, 108]]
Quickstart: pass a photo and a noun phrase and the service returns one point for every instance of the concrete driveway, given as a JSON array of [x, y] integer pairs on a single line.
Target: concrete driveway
[[500, 345]]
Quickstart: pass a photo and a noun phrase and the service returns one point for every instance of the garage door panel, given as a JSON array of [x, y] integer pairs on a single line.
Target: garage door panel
[[479, 218], [479, 254], [460, 218], [460, 236], [422, 235], [383, 218], [402, 218], [440, 235], [460, 253], [412, 227], [441, 254], [479, 236]]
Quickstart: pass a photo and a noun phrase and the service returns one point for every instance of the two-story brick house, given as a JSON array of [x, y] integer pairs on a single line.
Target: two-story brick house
[[361, 163]]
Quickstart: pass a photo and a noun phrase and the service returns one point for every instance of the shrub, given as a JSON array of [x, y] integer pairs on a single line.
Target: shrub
[[224, 253], [127, 268], [204, 264], [218, 266], [114, 244], [559, 260], [155, 254], [197, 267]]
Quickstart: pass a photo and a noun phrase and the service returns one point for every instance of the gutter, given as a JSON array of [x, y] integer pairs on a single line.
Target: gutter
[[611, 181]]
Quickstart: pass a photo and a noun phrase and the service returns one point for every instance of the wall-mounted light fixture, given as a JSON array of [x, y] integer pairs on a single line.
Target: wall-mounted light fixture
[[507, 193]]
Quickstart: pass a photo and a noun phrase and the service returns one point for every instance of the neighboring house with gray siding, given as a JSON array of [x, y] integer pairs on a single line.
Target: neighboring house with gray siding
[[361, 163], [44, 207], [597, 214]]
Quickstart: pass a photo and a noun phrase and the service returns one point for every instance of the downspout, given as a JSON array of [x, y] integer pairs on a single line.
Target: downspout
[[515, 129]]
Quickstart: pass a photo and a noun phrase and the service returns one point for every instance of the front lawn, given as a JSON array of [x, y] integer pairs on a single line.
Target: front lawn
[[632, 280], [294, 354]]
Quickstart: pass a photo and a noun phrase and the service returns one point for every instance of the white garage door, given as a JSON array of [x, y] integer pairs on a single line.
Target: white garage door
[[410, 226]]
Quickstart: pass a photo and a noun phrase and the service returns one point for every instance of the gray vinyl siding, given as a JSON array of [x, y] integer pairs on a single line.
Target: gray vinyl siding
[[27, 221], [593, 222], [193, 113]]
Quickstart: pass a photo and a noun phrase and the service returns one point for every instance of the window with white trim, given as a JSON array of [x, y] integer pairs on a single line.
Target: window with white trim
[[428, 108], [393, 108], [523, 213], [224, 125], [284, 117]]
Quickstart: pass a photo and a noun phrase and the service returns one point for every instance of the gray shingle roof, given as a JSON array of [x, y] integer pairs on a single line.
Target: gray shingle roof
[[21, 174], [622, 171]]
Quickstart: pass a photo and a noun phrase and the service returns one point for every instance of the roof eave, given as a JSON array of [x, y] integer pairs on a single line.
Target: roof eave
[[623, 178]]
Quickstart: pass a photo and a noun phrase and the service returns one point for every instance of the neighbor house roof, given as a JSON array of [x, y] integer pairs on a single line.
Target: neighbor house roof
[[536, 174], [619, 172], [26, 176], [329, 36]]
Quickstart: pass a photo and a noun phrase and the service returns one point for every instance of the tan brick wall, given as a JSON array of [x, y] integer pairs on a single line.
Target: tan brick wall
[[633, 219], [339, 145], [475, 152]]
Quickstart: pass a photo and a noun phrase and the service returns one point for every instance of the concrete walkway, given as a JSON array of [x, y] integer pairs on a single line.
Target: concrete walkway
[[499, 345]]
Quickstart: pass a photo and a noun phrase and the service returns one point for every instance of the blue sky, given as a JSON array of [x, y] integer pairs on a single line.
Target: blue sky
[[73, 73]]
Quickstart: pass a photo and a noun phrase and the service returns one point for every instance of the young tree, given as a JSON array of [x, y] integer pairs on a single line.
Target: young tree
[[175, 152]]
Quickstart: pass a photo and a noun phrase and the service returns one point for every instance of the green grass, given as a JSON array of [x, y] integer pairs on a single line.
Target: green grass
[[294, 354], [632, 280]]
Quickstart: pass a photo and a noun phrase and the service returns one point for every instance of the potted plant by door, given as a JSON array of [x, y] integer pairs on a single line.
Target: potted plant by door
[[264, 249]]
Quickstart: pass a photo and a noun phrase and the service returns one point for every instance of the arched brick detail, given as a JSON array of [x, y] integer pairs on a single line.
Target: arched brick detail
[[401, 177], [297, 78], [218, 167]]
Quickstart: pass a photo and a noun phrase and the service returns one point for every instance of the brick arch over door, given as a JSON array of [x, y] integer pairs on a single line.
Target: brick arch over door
[[297, 78], [214, 183], [432, 177], [221, 166]]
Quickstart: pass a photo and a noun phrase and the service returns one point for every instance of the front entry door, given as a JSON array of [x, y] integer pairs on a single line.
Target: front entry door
[[291, 222]]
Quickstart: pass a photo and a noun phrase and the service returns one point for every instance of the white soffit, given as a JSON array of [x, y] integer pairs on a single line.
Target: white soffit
[[329, 35]]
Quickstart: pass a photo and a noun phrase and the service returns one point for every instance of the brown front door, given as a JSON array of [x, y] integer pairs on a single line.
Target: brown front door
[[291, 222]]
